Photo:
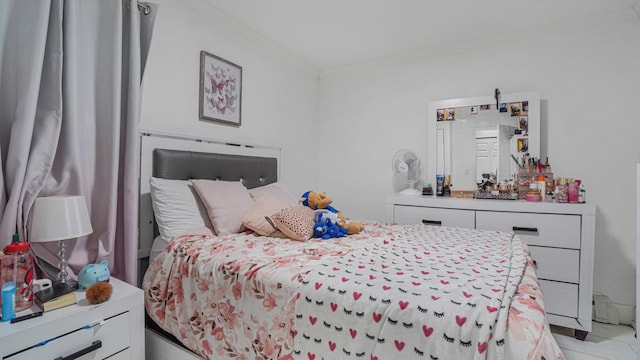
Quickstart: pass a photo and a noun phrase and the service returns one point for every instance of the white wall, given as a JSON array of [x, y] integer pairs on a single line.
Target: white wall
[[589, 81], [279, 93]]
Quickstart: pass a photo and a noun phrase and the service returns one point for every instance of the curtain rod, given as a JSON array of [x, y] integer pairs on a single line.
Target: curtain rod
[[144, 7]]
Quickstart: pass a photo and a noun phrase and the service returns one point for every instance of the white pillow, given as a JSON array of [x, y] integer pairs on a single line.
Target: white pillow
[[176, 207]]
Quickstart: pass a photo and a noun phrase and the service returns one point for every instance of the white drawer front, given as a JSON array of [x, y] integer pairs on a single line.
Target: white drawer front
[[560, 298], [434, 216], [535, 229], [114, 335], [122, 355], [556, 264]]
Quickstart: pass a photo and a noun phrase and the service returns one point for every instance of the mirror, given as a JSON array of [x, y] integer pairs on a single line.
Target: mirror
[[469, 137]]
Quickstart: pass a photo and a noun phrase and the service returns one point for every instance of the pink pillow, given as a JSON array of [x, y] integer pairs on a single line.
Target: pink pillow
[[295, 222], [275, 191], [227, 203], [264, 204]]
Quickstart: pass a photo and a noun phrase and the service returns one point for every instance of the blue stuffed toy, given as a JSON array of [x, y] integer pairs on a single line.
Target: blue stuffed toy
[[326, 226], [93, 273], [319, 229]]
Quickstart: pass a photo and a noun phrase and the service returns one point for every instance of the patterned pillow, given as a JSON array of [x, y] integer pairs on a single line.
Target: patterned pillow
[[295, 222]]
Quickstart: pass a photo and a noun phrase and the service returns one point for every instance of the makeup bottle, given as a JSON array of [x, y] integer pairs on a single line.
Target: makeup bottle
[[446, 191], [541, 184], [561, 191], [439, 184], [582, 192], [572, 192], [550, 197]]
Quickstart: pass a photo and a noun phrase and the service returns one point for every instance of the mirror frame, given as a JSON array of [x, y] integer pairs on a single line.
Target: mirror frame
[[533, 97]]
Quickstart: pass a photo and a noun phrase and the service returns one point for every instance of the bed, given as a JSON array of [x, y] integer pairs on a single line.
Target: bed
[[416, 291]]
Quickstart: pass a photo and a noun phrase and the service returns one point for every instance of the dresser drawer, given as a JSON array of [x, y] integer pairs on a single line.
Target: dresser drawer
[[560, 298], [434, 216], [561, 231], [556, 264], [108, 338]]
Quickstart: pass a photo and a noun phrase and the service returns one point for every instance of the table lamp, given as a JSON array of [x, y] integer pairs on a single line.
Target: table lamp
[[58, 218]]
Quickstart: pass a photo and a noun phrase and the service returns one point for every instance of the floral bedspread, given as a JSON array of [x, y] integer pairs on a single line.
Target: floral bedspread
[[401, 291]]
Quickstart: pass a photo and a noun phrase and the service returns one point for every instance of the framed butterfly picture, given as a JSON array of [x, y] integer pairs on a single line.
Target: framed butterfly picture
[[220, 90]]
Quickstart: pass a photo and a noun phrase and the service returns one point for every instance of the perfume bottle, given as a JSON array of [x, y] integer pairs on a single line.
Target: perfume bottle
[[582, 192], [561, 191], [572, 192]]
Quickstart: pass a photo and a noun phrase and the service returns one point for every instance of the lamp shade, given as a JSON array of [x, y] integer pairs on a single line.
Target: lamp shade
[[59, 218]]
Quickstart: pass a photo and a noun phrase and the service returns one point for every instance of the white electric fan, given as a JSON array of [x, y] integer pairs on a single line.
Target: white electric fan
[[406, 166]]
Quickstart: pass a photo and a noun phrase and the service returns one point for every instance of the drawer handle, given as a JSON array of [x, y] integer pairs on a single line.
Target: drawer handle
[[432, 222], [527, 230], [93, 347]]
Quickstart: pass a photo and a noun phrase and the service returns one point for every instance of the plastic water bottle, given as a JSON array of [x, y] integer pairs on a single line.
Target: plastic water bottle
[[8, 301], [17, 265]]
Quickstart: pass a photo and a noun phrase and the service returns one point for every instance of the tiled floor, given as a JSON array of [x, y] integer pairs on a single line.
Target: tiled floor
[[605, 341]]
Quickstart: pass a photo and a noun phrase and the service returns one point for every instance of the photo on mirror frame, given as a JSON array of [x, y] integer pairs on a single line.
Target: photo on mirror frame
[[523, 123], [450, 114], [514, 108], [523, 145]]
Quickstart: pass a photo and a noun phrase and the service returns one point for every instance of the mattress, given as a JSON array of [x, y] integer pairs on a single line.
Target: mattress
[[404, 291]]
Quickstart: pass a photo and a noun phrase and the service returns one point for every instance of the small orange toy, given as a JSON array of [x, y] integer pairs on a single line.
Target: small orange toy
[[99, 292]]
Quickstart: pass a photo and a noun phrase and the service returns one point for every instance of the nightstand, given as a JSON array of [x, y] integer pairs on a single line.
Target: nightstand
[[113, 329]]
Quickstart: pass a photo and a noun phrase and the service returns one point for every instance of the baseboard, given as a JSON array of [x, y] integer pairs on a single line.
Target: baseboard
[[613, 313], [627, 313]]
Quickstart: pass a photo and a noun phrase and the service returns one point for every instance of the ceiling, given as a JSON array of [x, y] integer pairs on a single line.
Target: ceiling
[[330, 34]]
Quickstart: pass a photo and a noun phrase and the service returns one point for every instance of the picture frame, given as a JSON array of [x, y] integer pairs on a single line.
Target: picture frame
[[220, 90], [474, 110], [515, 108], [523, 145], [523, 123], [440, 115], [450, 114]]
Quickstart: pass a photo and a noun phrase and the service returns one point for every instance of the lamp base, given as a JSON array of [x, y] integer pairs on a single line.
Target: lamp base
[[62, 264]]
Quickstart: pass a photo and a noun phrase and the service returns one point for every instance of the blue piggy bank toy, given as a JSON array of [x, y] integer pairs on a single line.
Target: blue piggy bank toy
[[93, 273]]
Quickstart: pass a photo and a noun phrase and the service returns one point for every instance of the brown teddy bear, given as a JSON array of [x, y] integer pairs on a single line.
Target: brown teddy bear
[[316, 201]]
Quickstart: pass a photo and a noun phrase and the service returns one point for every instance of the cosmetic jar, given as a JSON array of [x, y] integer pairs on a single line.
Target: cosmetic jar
[[533, 196]]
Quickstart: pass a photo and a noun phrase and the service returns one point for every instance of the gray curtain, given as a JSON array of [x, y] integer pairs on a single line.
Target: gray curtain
[[70, 92]]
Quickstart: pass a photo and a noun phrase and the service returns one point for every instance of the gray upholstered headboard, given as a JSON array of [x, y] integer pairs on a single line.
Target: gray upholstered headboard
[[253, 171], [189, 158]]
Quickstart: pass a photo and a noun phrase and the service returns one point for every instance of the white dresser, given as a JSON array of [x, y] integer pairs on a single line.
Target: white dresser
[[113, 329], [560, 238]]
